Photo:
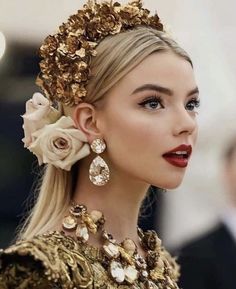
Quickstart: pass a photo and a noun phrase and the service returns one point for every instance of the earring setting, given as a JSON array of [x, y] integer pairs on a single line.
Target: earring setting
[[99, 173]]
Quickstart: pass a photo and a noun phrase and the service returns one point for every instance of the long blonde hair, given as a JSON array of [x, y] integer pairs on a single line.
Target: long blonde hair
[[116, 56]]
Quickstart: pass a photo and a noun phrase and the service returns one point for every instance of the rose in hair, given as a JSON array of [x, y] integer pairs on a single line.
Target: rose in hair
[[39, 112], [60, 144]]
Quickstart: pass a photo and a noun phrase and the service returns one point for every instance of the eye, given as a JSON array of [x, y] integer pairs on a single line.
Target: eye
[[152, 102], [193, 103]]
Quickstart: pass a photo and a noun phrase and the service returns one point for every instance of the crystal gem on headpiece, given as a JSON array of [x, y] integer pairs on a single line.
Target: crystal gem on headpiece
[[66, 55]]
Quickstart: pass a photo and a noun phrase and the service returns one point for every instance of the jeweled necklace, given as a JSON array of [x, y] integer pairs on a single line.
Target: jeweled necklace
[[122, 260]]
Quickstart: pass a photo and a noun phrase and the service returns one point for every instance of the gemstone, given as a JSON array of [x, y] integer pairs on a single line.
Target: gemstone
[[140, 262], [99, 173], [131, 274], [108, 236], [69, 223], [117, 271], [78, 210], [96, 215], [129, 246], [82, 233], [98, 146], [143, 275], [111, 250]]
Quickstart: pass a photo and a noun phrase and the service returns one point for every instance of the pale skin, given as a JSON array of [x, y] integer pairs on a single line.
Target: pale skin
[[137, 135]]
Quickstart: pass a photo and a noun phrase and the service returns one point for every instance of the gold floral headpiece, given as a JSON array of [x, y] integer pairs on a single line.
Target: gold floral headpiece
[[66, 55]]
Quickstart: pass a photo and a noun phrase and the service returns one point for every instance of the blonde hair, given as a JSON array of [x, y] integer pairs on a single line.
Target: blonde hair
[[116, 56]]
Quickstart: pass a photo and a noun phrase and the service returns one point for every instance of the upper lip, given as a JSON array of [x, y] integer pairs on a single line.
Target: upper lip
[[182, 148]]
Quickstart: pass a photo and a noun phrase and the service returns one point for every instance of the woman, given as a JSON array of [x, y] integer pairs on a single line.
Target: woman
[[125, 118]]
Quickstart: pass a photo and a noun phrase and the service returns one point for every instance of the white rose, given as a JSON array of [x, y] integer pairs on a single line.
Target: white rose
[[39, 112], [60, 144]]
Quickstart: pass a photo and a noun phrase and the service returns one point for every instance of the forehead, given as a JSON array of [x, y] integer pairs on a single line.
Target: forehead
[[163, 68]]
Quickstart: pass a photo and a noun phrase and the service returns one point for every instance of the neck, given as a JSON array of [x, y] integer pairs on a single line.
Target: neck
[[119, 200]]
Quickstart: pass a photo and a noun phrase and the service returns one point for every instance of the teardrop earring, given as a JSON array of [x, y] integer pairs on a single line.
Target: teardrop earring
[[99, 173]]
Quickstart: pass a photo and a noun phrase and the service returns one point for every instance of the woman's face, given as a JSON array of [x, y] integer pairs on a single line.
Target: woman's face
[[139, 127]]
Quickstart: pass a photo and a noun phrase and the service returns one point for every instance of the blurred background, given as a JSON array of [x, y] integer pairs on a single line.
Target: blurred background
[[205, 28]]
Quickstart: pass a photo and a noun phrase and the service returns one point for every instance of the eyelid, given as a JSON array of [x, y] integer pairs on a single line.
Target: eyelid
[[196, 99], [152, 97]]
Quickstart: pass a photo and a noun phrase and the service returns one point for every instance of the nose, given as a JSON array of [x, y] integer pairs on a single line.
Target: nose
[[185, 122]]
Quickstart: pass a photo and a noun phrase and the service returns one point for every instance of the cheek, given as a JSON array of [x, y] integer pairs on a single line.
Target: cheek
[[134, 140], [195, 135], [192, 138], [126, 134], [133, 130]]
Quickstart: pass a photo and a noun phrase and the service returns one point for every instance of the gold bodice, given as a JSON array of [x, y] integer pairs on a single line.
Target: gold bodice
[[54, 260]]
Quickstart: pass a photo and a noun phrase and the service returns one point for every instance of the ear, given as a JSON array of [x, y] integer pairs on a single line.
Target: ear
[[84, 116]]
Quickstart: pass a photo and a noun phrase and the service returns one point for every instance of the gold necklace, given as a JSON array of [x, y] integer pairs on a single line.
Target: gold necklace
[[122, 260]]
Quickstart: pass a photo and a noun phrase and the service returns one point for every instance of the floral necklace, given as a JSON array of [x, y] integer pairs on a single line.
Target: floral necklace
[[121, 260]]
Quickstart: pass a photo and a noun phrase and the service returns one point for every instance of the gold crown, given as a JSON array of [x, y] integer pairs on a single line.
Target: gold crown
[[67, 54]]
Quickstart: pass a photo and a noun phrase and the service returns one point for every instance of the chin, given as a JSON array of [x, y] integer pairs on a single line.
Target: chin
[[169, 185]]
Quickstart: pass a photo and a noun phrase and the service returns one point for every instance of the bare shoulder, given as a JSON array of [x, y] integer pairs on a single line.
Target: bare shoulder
[[50, 260]]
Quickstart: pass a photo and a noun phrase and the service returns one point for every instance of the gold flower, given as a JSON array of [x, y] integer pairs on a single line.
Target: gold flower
[[151, 240], [92, 30], [76, 24], [66, 56], [109, 21], [49, 46], [155, 22], [152, 258], [109, 25], [72, 44]]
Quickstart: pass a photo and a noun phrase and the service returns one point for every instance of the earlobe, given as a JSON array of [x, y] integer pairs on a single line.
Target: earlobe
[[84, 116]]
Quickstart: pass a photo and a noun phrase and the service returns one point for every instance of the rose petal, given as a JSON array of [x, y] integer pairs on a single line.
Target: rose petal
[[38, 114], [43, 145], [40, 100], [37, 107], [67, 164]]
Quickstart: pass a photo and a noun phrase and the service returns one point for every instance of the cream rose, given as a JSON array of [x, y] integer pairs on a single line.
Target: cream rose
[[39, 112], [60, 144]]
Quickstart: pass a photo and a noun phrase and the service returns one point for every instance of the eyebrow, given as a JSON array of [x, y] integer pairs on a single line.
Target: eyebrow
[[161, 89]]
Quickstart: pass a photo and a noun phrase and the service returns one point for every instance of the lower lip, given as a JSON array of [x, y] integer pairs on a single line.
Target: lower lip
[[177, 162]]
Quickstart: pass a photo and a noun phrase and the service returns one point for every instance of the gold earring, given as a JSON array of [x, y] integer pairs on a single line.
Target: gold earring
[[99, 173]]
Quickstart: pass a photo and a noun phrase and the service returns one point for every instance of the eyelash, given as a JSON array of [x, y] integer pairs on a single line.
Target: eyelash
[[196, 102], [151, 99], [157, 99]]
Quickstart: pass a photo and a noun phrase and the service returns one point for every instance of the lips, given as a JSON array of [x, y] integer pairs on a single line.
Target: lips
[[179, 156]]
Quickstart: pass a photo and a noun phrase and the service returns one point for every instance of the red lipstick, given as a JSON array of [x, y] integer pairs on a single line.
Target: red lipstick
[[179, 156]]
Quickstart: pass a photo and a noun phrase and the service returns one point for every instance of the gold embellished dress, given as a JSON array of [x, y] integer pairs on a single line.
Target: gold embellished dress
[[55, 260]]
